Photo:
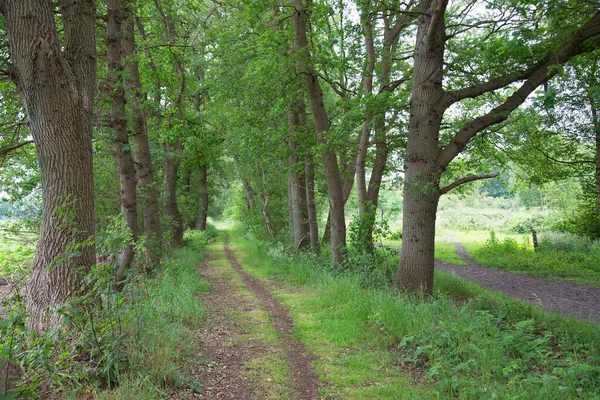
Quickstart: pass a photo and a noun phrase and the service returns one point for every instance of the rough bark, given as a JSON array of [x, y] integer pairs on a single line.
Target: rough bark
[[118, 123], [421, 192], [147, 194], [172, 159], [57, 84], [203, 207], [328, 155]]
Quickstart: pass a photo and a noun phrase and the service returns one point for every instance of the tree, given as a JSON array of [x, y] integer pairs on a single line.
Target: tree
[[118, 123], [57, 81], [148, 197], [427, 156], [329, 157]]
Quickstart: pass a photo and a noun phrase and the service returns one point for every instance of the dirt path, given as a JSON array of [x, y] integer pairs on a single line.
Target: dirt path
[[581, 301], [247, 346]]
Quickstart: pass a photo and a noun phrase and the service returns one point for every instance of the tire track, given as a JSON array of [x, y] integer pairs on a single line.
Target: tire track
[[303, 378]]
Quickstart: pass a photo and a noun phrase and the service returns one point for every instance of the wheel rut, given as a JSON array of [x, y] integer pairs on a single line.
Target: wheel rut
[[304, 381], [246, 345]]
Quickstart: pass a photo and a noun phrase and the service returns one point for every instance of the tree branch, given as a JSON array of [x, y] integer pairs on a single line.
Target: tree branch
[[466, 179], [5, 150], [569, 48], [546, 155]]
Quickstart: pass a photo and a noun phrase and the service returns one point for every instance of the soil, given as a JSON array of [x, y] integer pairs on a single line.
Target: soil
[[226, 351], [568, 298]]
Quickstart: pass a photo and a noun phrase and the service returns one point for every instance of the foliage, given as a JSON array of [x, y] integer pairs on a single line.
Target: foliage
[[110, 337]]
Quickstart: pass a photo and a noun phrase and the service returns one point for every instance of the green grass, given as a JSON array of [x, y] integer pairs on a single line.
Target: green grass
[[464, 342], [160, 323], [15, 250], [580, 265]]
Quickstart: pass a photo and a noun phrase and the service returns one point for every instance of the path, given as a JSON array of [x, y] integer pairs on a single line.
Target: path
[[247, 342], [581, 301]]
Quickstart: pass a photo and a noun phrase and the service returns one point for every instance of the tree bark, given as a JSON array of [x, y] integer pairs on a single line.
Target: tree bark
[[421, 187], [147, 195], [203, 207], [57, 84], [172, 159], [118, 122], [328, 155]]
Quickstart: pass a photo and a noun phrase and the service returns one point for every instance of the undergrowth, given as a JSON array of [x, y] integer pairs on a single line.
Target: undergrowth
[[114, 344], [463, 342]]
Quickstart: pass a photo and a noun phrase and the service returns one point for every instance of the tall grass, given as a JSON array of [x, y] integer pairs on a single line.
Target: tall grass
[[115, 344], [464, 342], [160, 324]]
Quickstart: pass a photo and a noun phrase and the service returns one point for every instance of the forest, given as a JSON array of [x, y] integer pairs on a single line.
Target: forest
[[299, 199]]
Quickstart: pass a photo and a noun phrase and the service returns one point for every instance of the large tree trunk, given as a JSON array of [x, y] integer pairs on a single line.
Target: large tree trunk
[[57, 84], [421, 184], [118, 122], [172, 159], [147, 196], [329, 157], [203, 207]]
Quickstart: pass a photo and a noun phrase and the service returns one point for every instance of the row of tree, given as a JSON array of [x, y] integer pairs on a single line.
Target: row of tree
[[305, 100]]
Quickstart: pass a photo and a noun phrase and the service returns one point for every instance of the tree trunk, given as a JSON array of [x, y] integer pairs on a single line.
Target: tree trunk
[[265, 211], [203, 208], [172, 158], [118, 122], [330, 163], [57, 84], [421, 182], [596, 127], [297, 183], [313, 222], [147, 195]]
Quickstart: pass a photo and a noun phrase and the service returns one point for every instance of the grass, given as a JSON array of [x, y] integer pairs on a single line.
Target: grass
[[16, 250], [464, 342], [578, 262], [160, 323]]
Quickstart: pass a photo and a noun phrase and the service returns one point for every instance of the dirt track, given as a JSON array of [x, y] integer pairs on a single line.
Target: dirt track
[[577, 300]]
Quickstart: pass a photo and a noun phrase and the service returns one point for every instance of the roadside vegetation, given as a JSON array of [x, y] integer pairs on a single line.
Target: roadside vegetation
[[127, 344]]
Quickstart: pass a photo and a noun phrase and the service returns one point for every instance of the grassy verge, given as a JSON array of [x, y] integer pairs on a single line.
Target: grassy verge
[[464, 342], [113, 345], [160, 325]]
